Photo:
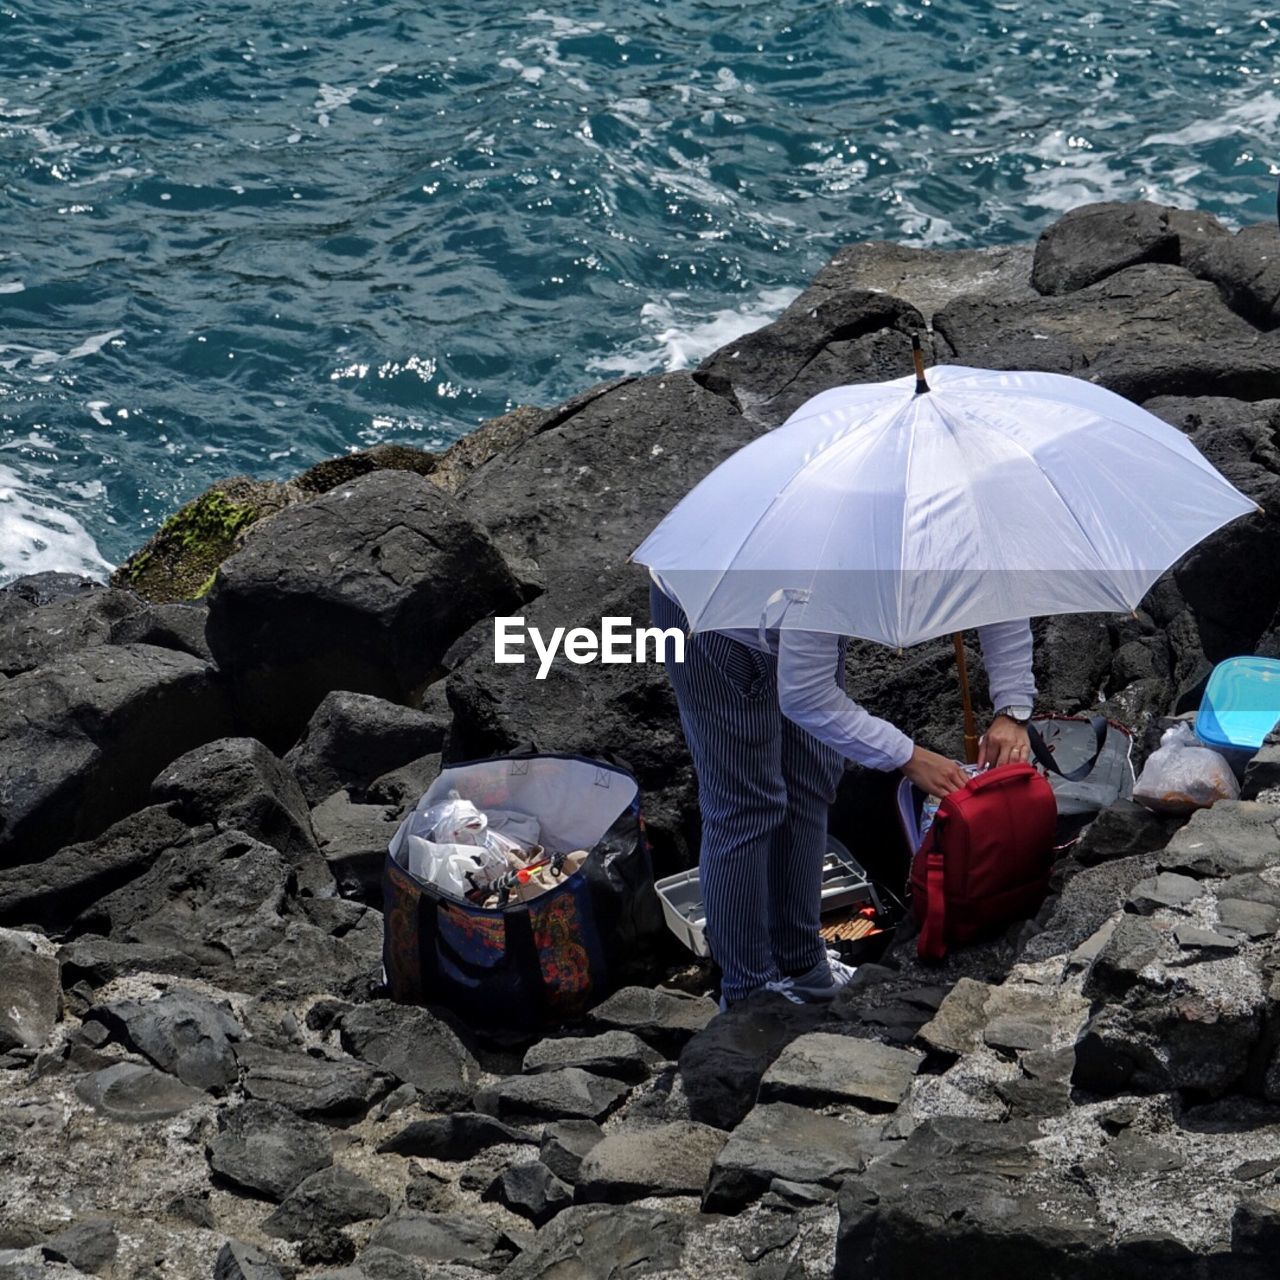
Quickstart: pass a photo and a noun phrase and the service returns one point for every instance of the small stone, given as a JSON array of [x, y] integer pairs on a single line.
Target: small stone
[[405, 1096], [87, 1246], [1251, 1170], [193, 1210], [1087, 952], [821, 1068], [1253, 919], [766, 1239], [1168, 889], [1190, 938], [430, 1191], [665, 1160], [333, 1198], [779, 1140], [665, 1019], [313, 1087], [565, 1143], [455, 1137], [566, 1093], [32, 986], [615, 1053], [532, 1191], [957, 1026], [442, 1238], [415, 1047], [183, 1033], [237, 1261], [1015, 1034], [136, 1094], [266, 1148]]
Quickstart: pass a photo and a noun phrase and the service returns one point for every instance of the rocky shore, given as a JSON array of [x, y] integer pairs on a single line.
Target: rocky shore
[[201, 765]]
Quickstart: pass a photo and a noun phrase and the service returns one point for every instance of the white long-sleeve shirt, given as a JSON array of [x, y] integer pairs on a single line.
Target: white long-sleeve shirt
[[809, 696]]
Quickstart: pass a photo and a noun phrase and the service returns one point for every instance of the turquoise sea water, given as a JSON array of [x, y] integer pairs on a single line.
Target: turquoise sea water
[[244, 236]]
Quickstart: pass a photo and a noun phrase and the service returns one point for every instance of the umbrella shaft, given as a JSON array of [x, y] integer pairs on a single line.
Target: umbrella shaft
[[970, 724]]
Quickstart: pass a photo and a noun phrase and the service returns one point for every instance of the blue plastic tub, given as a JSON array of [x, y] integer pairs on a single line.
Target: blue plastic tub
[[1241, 705]]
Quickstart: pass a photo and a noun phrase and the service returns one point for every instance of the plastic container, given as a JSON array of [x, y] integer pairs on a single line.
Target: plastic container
[[844, 884], [1241, 705]]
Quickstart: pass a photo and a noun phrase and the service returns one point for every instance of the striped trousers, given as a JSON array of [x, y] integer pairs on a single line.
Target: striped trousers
[[764, 789]]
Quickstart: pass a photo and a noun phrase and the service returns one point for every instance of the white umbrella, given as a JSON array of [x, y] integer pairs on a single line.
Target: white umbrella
[[900, 511]]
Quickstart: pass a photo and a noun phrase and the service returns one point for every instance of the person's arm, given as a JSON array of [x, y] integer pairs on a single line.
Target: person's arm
[[1007, 655], [809, 696]]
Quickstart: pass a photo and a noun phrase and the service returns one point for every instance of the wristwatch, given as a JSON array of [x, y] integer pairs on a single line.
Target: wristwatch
[[1019, 713]]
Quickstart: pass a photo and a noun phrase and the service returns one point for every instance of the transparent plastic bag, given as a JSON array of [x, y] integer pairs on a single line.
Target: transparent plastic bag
[[453, 821], [1183, 775]]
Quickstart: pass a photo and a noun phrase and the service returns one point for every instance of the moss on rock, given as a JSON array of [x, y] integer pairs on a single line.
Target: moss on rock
[[181, 559]]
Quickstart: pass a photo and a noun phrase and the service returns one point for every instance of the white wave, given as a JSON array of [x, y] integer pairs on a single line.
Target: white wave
[[330, 98], [677, 334], [1255, 117], [36, 537], [12, 286]]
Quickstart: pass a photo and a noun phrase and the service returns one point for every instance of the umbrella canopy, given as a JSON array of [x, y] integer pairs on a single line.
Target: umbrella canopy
[[897, 515]]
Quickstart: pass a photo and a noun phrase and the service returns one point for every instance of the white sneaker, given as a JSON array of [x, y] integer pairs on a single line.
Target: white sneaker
[[824, 980]]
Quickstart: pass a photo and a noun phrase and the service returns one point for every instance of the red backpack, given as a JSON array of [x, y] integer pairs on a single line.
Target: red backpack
[[986, 859]]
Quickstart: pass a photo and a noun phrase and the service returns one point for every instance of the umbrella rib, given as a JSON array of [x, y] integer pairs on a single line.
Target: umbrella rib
[[906, 505]]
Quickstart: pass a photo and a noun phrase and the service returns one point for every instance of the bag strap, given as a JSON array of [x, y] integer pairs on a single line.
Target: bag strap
[[932, 945], [1044, 757]]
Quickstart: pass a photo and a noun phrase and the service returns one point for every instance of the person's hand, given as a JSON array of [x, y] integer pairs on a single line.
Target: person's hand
[[937, 775], [1005, 742]]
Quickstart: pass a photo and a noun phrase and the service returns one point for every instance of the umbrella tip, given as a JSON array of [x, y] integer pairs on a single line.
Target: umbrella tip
[[917, 354]]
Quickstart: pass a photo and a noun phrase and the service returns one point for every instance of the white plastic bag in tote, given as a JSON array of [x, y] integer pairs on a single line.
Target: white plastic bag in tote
[[565, 803], [1183, 774]]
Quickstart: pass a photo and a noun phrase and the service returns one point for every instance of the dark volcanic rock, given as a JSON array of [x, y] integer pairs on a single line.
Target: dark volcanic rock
[[168, 626], [532, 1191], [589, 1242], [1097, 240], [38, 589], [1121, 830], [32, 991], [1149, 330], [666, 1019], [81, 737], [236, 783], [266, 1148], [615, 1053], [1232, 609], [310, 1086], [88, 1246], [452, 1137], [29, 638], [568, 1093], [416, 1047], [353, 839], [53, 891], [721, 1066], [363, 589], [819, 1069], [779, 1140], [565, 1144], [333, 1198], [353, 738], [928, 278], [181, 1032], [956, 1192], [663, 1160], [439, 1238], [827, 337], [136, 1094], [1232, 838], [239, 1261], [1246, 269]]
